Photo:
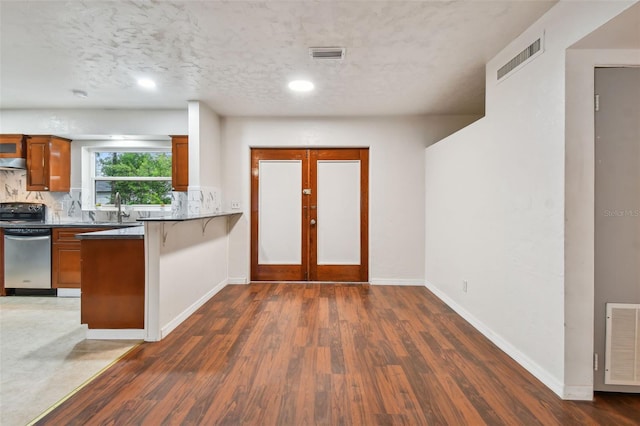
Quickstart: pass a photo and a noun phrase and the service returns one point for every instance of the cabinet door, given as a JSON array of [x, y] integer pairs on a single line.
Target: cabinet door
[[59, 158], [65, 257], [180, 163], [65, 266], [37, 163], [48, 164], [112, 299], [12, 146]]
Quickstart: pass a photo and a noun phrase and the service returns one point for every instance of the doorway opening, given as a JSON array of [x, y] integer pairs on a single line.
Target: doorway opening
[[617, 229]]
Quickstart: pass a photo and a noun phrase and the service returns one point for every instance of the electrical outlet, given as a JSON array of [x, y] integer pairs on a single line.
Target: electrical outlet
[[59, 206], [464, 286], [235, 205]]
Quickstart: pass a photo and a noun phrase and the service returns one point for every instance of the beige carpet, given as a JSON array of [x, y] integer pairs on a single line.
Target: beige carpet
[[44, 355]]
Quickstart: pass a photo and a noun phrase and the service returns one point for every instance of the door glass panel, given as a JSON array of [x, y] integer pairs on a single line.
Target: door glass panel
[[280, 222], [338, 212]]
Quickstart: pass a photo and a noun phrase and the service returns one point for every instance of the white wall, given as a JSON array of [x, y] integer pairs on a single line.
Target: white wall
[[204, 146], [396, 209], [65, 122], [186, 265], [495, 202], [204, 159]]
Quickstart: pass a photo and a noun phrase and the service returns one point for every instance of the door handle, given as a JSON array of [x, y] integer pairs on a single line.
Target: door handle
[[313, 222]]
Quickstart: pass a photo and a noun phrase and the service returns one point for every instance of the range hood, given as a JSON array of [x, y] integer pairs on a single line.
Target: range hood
[[13, 163]]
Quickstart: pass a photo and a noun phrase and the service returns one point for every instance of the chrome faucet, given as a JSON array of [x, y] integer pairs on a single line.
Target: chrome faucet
[[118, 202]]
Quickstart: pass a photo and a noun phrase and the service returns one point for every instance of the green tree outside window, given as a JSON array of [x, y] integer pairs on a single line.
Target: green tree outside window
[[139, 177]]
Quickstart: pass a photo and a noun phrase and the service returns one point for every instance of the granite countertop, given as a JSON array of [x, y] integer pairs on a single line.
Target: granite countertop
[[183, 217], [131, 233], [56, 224]]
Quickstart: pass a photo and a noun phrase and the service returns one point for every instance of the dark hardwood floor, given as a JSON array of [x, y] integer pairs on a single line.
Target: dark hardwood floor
[[292, 354]]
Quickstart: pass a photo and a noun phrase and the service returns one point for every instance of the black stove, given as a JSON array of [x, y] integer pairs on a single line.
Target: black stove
[[16, 213], [27, 247]]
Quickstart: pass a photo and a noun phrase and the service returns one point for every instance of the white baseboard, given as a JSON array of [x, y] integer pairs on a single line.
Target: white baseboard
[[68, 292], [115, 334], [372, 281], [578, 393], [399, 282], [532, 367], [171, 325]]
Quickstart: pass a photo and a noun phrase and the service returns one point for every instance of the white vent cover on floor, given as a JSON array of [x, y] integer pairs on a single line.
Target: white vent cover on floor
[[622, 359]]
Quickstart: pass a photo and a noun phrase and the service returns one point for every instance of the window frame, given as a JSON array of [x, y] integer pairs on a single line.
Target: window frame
[[90, 178]]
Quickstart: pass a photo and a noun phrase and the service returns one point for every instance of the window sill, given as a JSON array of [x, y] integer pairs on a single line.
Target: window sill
[[129, 208]]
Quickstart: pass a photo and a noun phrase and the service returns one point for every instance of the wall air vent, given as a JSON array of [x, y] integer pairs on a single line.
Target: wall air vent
[[521, 58], [327, 52]]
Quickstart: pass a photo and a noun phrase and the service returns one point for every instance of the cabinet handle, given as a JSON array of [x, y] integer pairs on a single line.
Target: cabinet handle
[[46, 188]]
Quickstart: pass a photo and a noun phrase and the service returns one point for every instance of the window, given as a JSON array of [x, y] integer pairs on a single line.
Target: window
[[142, 177]]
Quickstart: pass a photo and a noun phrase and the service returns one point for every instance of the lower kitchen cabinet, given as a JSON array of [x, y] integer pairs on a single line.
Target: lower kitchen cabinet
[[65, 256], [114, 284], [2, 290]]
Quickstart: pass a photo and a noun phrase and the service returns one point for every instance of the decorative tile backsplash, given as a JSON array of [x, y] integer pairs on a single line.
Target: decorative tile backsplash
[[60, 205], [205, 199], [67, 206]]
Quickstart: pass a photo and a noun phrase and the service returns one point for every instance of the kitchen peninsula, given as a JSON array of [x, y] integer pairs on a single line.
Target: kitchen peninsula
[[183, 259], [113, 283]]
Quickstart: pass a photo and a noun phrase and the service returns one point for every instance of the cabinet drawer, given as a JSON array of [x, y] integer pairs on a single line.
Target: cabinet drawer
[[68, 235]]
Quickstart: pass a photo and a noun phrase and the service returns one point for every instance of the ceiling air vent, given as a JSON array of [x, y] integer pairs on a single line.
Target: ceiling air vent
[[521, 58], [327, 52]]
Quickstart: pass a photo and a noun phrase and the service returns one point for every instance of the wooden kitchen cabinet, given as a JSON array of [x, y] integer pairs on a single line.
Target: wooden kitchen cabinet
[[114, 274], [2, 290], [65, 256], [13, 146], [48, 164], [180, 163]]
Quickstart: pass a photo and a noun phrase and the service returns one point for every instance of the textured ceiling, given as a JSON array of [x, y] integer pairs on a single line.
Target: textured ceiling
[[403, 57]]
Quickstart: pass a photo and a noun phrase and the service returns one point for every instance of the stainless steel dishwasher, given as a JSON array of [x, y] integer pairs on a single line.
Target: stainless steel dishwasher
[[27, 258], [27, 249]]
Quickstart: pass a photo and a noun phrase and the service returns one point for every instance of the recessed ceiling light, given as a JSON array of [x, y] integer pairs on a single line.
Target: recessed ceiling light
[[301, 86], [147, 83], [79, 93]]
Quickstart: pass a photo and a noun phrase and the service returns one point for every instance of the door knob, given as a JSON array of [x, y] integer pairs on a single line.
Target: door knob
[[313, 221]]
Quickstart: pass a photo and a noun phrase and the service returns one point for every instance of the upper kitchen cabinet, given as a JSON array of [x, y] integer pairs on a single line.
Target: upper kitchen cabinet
[[180, 163], [13, 146], [48, 164]]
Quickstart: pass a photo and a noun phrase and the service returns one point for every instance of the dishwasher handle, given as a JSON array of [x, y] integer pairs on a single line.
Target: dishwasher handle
[[26, 238]]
